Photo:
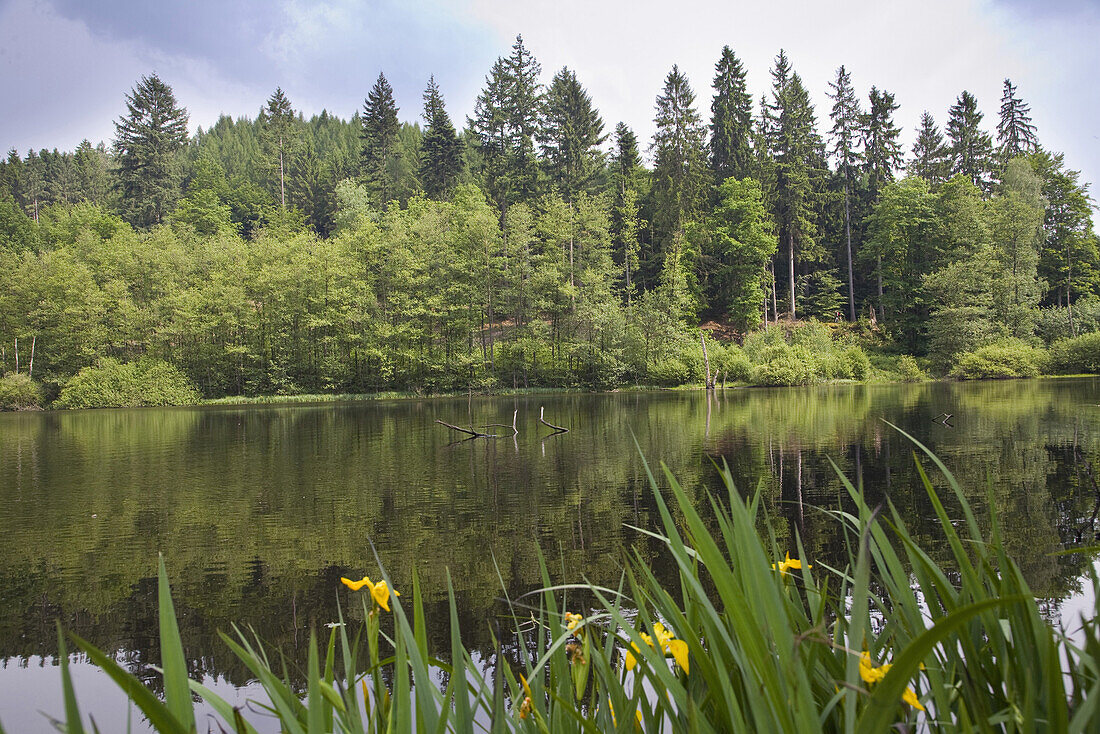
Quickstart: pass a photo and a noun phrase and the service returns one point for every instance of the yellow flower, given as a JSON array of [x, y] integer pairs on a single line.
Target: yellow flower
[[872, 674], [666, 643], [355, 585], [525, 707], [573, 623], [787, 564], [380, 591]]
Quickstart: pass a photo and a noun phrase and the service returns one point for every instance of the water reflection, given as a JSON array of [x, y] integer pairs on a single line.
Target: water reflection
[[259, 511]]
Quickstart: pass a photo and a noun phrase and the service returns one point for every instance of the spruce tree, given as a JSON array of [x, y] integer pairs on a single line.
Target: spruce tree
[[91, 172], [931, 158], [679, 179], [626, 224], [845, 135], [881, 149], [797, 160], [379, 141], [570, 136], [1015, 132], [731, 120], [148, 141], [503, 127], [441, 150], [971, 148], [278, 136]]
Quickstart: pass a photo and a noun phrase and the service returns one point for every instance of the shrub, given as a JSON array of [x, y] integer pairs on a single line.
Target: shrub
[[909, 370], [859, 366], [1081, 354], [112, 384], [669, 371], [785, 365], [735, 365], [19, 392], [1004, 360]]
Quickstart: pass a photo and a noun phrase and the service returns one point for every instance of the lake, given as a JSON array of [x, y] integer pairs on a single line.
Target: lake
[[260, 510]]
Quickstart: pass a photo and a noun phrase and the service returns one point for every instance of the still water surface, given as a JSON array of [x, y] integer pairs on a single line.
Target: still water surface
[[260, 510]]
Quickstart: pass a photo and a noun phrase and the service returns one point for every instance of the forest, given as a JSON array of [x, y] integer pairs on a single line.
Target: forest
[[536, 246]]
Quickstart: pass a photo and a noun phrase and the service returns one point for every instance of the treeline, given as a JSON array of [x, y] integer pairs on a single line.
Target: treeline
[[534, 247]]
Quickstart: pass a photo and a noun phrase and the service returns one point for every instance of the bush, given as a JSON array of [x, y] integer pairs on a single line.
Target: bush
[[859, 366], [112, 384], [785, 365], [1068, 356], [669, 372], [1004, 360], [19, 392], [909, 370]]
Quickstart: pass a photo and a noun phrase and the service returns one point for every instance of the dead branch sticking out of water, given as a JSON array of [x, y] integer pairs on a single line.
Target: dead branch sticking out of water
[[557, 429], [515, 431], [472, 433]]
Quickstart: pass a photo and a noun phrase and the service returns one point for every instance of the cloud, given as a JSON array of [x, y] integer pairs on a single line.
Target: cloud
[[68, 63]]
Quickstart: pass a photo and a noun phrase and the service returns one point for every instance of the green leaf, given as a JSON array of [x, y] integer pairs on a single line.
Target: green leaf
[[177, 689], [72, 712]]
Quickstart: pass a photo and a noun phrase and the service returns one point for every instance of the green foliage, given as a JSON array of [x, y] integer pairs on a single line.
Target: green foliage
[[1002, 360], [113, 384], [19, 392], [909, 370], [785, 365], [148, 143], [1078, 355]]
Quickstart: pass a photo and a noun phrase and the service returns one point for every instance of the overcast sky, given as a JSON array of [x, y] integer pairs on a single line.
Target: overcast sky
[[65, 65]]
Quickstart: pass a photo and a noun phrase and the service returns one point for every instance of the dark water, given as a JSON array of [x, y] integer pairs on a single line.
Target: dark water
[[260, 510]]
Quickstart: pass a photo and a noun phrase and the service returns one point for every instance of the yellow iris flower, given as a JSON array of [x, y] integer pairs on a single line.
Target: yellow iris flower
[[380, 592], [666, 642], [789, 563], [872, 674]]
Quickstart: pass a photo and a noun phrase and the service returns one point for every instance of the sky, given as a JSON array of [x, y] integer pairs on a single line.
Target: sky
[[66, 65]]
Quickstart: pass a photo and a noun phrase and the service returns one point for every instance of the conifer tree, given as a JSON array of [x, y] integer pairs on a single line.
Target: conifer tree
[[626, 224], [379, 141], [148, 141], [1015, 132], [845, 135], [441, 150], [505, 121], [731, 120], [882, 152], [931, 158], [797, 160], [278, 135], [679, 179], [91, 172], [971, 148], [570, 136]]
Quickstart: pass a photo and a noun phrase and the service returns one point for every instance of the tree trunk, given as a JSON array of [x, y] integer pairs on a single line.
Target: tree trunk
[[881, 310], [790, 269], [848, 236], [706, 363]]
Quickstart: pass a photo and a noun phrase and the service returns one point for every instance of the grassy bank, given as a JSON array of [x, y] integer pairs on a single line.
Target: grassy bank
[[755, 637]]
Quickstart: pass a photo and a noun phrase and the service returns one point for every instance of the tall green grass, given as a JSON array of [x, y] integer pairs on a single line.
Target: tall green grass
[[891, 641]]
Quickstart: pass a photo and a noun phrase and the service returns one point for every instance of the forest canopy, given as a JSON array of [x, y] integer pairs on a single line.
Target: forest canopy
[[535, 243]]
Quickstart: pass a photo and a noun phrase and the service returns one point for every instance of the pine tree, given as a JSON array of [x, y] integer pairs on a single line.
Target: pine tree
[[882, 152], [845, 134], [503, 127], [971, 148], [731, 120], [379, 141], [441, 150], [931, 158], [278, 136], [570, 136], [148, 141], [1015, 132], [797, 159]]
